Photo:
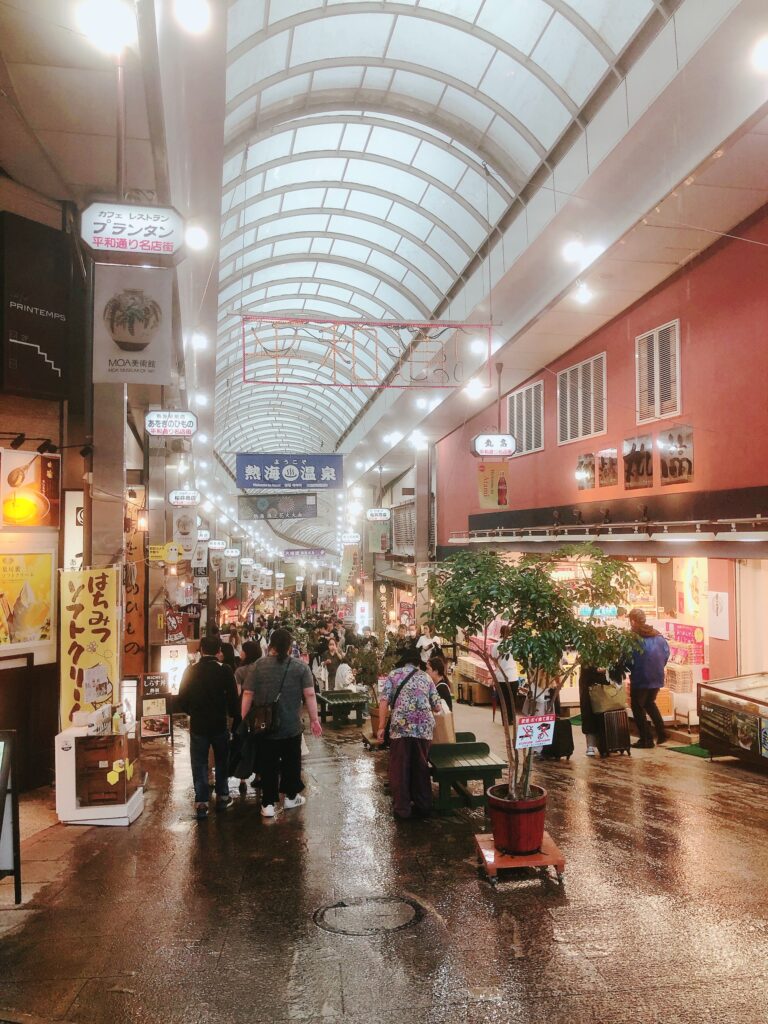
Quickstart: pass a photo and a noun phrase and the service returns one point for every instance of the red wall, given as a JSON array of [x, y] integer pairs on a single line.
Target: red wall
[[722, 304]]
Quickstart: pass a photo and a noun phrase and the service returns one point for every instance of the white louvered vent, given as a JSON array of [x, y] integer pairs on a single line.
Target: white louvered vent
[[657, 373], [581, 400], [525, 411]]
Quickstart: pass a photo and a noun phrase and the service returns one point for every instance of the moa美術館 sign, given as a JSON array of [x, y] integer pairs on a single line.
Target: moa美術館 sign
[[268, 471]]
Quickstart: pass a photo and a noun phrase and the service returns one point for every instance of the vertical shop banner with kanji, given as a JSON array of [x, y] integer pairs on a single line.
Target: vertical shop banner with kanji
[[90, 641], [134, 634]]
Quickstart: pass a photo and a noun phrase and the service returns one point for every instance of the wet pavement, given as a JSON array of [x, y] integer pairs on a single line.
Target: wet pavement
[[333, 912]]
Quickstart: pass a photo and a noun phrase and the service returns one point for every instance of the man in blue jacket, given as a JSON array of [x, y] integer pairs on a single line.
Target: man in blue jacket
[[647, 677]]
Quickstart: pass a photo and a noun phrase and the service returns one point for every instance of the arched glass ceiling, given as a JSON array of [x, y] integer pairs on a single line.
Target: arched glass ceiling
[[357, 139]]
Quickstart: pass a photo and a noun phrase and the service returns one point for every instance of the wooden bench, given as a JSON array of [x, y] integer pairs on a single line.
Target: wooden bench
[[453, 765], [340, 703]]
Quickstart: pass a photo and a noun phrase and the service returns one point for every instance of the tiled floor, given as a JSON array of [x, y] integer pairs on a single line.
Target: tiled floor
[[662, 917]]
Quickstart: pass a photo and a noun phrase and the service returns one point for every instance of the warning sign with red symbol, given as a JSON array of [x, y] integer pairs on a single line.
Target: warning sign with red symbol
[[534, 731]]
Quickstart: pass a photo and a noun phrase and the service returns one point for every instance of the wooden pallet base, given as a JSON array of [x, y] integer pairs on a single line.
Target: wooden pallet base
[[492, 860]]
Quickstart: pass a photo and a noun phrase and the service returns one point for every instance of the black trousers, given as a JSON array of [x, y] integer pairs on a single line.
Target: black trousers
[[280, 768], [642, 701]]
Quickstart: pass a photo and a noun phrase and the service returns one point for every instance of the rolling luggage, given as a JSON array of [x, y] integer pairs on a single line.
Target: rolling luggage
[[562, 741], [615, 733]]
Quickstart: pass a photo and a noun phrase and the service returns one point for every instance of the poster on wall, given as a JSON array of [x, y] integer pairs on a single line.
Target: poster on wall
[[719, 624], [37, 287], [74, 521], [492, 484], [585, 472], [90, 640], [30, 489], [378, 538], [608, 467], [406, 613], [27, 602], [676, 455], [638, 462], [132, 324]]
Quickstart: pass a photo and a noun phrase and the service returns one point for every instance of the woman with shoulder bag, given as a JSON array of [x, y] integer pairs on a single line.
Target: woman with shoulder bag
[[409, 696], [273, 693]]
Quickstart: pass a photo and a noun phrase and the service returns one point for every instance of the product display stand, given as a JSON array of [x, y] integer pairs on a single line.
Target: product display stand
[[492, 860]]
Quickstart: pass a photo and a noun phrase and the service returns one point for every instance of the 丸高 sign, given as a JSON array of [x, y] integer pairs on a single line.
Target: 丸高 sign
[[487, 445]]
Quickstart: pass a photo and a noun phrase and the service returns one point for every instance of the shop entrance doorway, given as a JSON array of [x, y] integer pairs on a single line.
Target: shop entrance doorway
[[752, 590]]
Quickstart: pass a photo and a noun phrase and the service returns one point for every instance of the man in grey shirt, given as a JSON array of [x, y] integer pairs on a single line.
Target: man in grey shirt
[[291, 680]]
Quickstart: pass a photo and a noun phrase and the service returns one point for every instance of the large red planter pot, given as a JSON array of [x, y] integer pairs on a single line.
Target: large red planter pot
[[518, 825]]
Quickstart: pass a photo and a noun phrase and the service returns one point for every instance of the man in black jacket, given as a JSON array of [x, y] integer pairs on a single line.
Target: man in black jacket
[[208, 694]]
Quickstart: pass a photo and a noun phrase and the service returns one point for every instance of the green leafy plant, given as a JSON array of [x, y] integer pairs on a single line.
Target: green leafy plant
[[546, 614], [131, 311]]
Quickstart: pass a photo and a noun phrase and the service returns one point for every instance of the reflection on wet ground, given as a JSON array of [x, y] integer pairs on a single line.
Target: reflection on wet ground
[[662, 917]]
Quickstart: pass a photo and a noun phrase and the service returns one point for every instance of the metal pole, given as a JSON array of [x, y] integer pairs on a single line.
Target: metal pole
[[499, 368], [120, 128]]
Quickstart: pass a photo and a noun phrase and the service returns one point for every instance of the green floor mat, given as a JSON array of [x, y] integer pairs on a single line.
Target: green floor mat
[[575, 720], [693, 749]]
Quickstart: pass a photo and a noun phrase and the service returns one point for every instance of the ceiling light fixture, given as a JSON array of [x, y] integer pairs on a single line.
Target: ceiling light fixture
[[201, 399], [576, 251], [202, 438], [193, 15], [18, 441], [474, 388], [199, 341], [110, 25], [760, 56], [583, 293], [418, 441], [196, 238], [479, 347], [421, 403]]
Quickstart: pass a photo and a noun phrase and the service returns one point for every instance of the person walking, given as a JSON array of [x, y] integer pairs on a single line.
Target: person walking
[[646, 675], [280, 676], [208, 694], [250, 655], [592, 724], [410, 697]]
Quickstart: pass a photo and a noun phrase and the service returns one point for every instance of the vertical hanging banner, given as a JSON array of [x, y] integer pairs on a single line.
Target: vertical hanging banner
[[90, 641], [134, 632], [378, 537], [132, 324], [185, 531]]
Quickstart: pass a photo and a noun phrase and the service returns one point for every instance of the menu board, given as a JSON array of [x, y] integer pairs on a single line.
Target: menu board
[[731, 724]]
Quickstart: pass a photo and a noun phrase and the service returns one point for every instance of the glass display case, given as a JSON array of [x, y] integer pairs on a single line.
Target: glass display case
[[733, 717]]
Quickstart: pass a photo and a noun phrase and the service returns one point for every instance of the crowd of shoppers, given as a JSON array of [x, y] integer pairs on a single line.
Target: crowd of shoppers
[[245, 696]]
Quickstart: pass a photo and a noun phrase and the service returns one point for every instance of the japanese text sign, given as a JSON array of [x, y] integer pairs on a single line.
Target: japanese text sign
[[488, 445], [123, 228], [167, 423], [189, 498], [90, 640], [290, 472], [302, 554], [534, 731]]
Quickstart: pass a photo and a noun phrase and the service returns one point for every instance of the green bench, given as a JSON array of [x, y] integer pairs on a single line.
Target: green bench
[[453, 765], [340, 703]]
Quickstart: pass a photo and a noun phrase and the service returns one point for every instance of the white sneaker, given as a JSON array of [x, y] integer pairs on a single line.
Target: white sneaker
[[268, 811], [297, 801], [591, 751]]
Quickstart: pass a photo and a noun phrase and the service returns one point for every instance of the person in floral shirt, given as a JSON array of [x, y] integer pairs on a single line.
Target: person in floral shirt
[[411, 725]]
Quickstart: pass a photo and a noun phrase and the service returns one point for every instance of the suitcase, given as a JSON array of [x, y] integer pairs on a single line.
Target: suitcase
[[562, 741], [616, 733]]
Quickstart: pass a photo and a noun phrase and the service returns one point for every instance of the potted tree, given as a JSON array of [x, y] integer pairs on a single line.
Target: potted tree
[[546, 615]]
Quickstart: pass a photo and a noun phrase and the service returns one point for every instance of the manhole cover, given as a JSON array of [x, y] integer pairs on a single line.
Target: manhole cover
[[367, 915]]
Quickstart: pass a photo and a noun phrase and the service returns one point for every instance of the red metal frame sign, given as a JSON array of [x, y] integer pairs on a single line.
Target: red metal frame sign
[[359, 353]]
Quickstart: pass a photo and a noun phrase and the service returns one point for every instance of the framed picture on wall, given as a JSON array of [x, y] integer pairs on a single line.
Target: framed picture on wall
[[608, 467], [27, 598], [585, 472], [676, 454], [638, 462]]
